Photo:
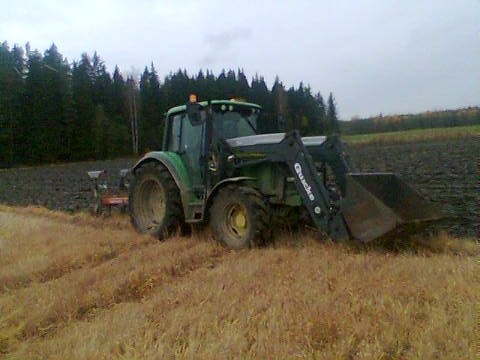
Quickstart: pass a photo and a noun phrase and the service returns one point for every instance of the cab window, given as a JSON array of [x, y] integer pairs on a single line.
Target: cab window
[[174, 139]]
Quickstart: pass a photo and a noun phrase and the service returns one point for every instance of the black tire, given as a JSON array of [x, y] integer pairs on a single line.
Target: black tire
[[239, 217], [154, 202]]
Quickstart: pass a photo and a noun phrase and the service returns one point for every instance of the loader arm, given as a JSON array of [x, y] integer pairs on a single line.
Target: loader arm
[[324, 212], [289, 149], [332, 153]]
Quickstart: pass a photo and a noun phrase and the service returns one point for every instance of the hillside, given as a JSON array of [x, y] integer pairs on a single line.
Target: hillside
[[81, 287]]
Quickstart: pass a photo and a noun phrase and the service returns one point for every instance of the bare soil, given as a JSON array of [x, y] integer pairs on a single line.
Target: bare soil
[[65, 187], [444, 172]]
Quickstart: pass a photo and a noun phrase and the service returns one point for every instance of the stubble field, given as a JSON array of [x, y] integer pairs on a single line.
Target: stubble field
[[78, 287]]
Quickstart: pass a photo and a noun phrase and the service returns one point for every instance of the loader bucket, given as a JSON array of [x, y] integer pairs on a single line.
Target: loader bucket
[[377, 203]]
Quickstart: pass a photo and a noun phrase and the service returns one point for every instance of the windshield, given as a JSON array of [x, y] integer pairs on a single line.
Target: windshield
[[234, 121]]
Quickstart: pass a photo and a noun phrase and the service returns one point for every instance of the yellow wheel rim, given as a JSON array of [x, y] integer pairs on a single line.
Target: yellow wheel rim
[[237, 220]]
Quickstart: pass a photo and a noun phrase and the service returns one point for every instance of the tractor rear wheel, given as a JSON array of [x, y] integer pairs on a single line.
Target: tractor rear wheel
[[239, 217], [154, 201]]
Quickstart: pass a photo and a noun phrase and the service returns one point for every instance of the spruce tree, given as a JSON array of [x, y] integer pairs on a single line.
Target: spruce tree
[[119, 113], [332, 120], [83, 146], [321, 114], [36, 114], [242, 88], [260, 94], [151, 119], [280, 101], [12, 84], [58, 103]]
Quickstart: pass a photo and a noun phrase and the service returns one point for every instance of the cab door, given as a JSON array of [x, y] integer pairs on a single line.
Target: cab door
[[187, 140]]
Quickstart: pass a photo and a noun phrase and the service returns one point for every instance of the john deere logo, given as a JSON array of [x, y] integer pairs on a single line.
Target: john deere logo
[[308, 188]]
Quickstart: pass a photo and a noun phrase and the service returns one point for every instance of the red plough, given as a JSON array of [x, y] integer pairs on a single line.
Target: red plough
[[104, 197]]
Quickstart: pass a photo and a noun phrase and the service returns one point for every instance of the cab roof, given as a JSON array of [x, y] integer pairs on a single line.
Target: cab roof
[[183, 108]]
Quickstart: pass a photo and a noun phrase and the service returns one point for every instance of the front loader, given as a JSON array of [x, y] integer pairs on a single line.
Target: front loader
[[214, 167]]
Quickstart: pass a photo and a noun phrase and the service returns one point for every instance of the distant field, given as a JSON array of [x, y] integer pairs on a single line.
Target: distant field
[[77, 287], [450, 133]]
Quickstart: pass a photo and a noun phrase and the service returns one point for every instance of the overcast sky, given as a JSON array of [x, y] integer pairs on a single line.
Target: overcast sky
[[376, 56]]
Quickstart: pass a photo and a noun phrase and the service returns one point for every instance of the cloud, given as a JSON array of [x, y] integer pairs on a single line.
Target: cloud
[[219, 45], [227, 38], [375, 56]]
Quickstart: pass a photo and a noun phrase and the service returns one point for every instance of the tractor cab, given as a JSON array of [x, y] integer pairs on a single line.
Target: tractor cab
[[197, 131], [228, 119]]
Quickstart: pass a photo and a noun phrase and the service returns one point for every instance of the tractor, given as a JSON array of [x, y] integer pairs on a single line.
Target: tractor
[[214, 167]]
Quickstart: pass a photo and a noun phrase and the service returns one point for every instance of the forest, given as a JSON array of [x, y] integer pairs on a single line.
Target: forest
[[52, 110], [425, 120]]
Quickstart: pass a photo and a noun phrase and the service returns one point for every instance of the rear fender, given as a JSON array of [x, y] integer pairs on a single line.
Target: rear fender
[[174, 164]]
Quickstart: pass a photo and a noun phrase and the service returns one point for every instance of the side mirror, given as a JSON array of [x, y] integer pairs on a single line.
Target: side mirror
[[195, 113]]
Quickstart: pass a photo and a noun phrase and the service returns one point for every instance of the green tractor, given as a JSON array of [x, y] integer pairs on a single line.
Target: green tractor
[[215, 167]]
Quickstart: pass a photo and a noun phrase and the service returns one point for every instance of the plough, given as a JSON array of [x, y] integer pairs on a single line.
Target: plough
[[104, 197]]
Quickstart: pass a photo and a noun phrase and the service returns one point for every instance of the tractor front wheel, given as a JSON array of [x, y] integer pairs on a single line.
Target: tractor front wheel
[[154, 201], [239, 217]]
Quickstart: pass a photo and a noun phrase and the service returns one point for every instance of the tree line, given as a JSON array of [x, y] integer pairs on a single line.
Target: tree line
[[425, 120], [52, 110]]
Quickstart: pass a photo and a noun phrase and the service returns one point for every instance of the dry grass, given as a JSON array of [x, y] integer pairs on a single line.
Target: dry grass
[[34, 249], [417, 135], [189, 298]]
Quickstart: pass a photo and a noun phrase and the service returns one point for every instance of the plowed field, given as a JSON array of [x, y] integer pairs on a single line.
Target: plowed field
[[447, 173], [444, 172]]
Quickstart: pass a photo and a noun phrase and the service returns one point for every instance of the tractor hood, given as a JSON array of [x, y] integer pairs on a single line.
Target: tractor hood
[[266, 139]]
